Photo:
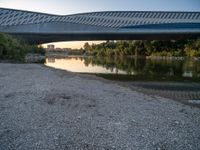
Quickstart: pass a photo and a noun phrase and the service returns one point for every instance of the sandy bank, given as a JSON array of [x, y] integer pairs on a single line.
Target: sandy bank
[[43, 108]]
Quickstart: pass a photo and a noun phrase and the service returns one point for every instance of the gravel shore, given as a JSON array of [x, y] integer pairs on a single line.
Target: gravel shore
[[47, 109]]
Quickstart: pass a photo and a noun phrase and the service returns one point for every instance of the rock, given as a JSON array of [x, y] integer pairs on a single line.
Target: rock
[[34, 58], [194, 101]]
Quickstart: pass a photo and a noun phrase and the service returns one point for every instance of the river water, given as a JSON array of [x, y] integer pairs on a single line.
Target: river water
[[130, 68], [174, 79]]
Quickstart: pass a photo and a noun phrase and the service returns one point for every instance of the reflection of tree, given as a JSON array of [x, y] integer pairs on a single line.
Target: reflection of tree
[[87, 61], [193, 67], [163, 67], [144, 66], [51, 60]]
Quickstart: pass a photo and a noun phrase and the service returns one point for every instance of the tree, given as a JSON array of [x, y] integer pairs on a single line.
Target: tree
[[87, 47]]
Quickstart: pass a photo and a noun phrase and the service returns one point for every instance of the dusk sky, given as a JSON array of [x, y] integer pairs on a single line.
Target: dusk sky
[[65, 7], [77, 6]]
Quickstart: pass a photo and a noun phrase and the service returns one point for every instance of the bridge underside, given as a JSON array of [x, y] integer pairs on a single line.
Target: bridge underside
[[40, 33], [41, 38], [41, 28]]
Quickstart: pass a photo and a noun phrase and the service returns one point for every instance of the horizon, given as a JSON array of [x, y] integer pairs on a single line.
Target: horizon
[[40, 12]]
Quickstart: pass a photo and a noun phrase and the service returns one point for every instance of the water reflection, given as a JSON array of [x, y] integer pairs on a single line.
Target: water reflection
[[130, 68], [80, 65]]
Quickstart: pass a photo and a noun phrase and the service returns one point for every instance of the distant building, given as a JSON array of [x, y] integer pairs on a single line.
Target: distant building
[[50, 47], [58, 49]]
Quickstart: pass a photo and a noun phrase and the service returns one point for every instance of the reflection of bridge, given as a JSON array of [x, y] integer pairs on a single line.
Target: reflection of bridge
[[42, 28]]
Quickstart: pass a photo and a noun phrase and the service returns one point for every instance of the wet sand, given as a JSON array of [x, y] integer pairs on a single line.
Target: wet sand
[[44, 108], [186, 93]]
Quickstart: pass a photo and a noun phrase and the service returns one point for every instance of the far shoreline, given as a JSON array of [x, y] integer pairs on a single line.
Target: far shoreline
[[65, 54]]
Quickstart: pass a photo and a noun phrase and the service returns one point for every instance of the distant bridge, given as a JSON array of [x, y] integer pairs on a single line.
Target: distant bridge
[[114, 25]]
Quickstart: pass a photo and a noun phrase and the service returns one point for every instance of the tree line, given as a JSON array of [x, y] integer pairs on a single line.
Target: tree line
[[16, 49], [165, 48]]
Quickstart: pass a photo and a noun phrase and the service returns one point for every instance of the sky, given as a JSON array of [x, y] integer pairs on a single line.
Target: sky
[[77, 6], [64, 7]]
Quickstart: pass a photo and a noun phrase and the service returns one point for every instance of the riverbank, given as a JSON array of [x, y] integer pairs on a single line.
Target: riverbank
[[44, 108]]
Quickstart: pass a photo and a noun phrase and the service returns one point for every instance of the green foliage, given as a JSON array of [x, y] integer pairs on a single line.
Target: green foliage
[[167, 48], [87, 47], [192, 49], [36, 49], [15, 49]]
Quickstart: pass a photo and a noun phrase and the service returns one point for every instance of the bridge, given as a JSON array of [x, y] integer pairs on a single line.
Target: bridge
[[113, 25]]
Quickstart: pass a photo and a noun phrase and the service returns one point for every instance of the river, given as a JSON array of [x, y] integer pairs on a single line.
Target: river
[[140, 69], [177, 79]]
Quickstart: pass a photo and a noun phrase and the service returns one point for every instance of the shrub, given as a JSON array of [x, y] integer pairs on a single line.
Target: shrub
[[15, 49]]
